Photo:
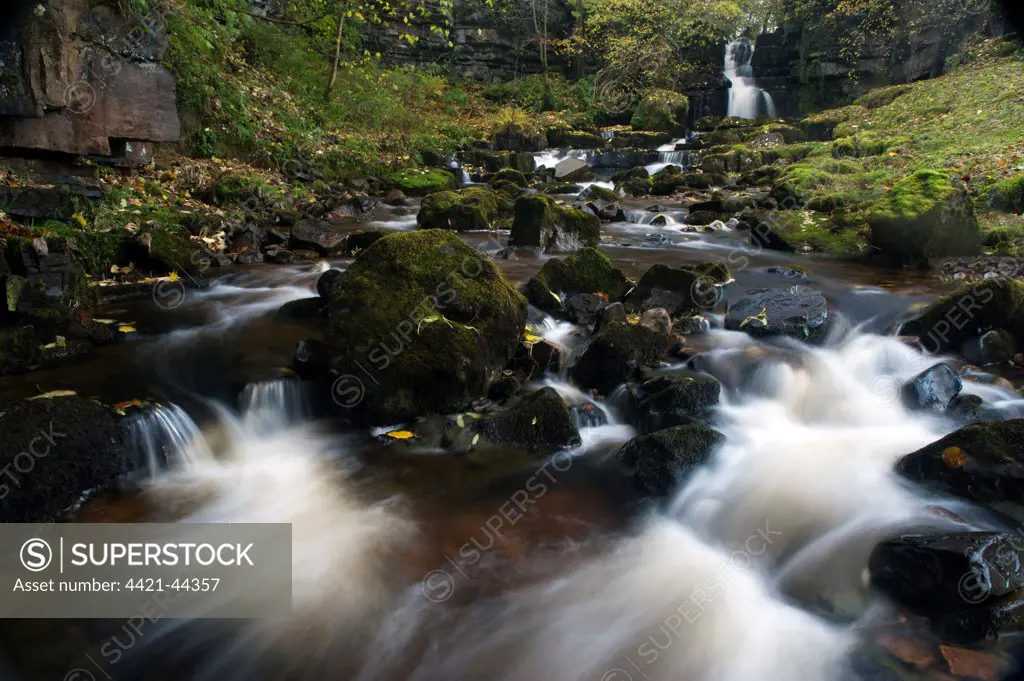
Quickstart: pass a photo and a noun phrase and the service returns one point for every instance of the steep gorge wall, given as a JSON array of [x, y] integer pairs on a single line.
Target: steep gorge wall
[[806, 68], [84, 80]]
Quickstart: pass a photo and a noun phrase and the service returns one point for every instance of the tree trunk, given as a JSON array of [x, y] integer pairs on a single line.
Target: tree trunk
[[337, 54], [577, 59]]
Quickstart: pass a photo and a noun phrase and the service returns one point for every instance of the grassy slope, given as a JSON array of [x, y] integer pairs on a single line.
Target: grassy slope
[[969, 123]]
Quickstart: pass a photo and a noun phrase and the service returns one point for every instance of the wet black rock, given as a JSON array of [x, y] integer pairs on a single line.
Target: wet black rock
[[789, 271], [303, 309], [357, 242], [319, 235], [931, 574], [53, 450], [701, 217], [310, 359], [953, 321], [615, 354], [539, 422], [677, 399], [982, 462], [968, 409], [326, 280], [611, 313], [798, 312], [934, 388], [584, 308], [679, 290], [279, 256], [660, 462]]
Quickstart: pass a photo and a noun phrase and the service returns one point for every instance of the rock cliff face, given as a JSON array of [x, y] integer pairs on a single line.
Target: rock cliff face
[[485, 45], [805, 69], [81, 80]]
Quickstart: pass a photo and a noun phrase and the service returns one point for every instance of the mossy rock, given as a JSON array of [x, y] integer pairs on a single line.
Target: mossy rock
[[579, 139], [947, 324], [660, 462], [638, 172], [588, 271], [638, 186], [712, 123], [983, 463], [169, 249], [424, 182], [661, 110], [559, 188], [640, 139], [78, 444], [798, 181], [19, 349], [542, 222], [883, 96], [241, 189], [431, 320], [539, 423], [509, 175], [464, 210], [524, 136], [804, 231], [601, 193], [616, 354], [1005, 195], [680, 290], [924, 216]]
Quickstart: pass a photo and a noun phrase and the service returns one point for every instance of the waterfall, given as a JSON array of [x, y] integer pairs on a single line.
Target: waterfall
[[273, 405], [165, 436], [746, 100], [667, 155]]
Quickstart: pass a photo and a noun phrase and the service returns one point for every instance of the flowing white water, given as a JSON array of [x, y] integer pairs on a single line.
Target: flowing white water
[[667, 155], [791, 504], [746, 100]]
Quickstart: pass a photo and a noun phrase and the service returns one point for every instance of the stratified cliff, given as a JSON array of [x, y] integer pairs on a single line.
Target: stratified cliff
[[81, 80]]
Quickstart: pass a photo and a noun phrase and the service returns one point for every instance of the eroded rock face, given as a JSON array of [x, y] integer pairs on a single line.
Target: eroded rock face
[[84, 80]]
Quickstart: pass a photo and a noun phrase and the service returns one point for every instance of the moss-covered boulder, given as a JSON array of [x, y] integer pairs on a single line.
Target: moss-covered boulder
[[924, 216], [509, 175], [661, 110], [423, 182], [541, 222], [983, 463], [616, 354], [1005, 195], [429, 319], [802, 231], [636, 172], [679, 290], [637, 186], [660, 462], [539, 422], [954, 320], [464, 210], [53, 450], [600, 193], [588, 271]]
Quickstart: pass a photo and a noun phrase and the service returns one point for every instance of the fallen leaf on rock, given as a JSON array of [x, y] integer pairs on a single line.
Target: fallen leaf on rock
[[54, 393], [908, 650], [401, 434], [954, 457]]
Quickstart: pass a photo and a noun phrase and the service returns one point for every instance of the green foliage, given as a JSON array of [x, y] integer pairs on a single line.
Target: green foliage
[[661, 110]]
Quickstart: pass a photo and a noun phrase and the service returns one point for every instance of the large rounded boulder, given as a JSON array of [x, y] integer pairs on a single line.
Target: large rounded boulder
[[925, 215], [541, 222], [588, 271], [463, 210], [420, 323]]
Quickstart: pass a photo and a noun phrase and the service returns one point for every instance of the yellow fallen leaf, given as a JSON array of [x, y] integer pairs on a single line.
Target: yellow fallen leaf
[[476, 438], [129, 403], [954, 457], [61, 341], [173, 276], [460, 421], [54, 393], [534, 421], [126, 328], [401, 434]]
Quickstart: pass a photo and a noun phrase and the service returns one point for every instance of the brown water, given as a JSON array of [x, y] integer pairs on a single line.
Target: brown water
[[566, 583]]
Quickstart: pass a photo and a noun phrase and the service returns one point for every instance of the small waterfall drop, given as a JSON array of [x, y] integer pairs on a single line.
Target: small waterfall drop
[[746, 100], [166, 436]]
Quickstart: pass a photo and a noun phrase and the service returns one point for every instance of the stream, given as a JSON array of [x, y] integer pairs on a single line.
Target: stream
[[409, 564]]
